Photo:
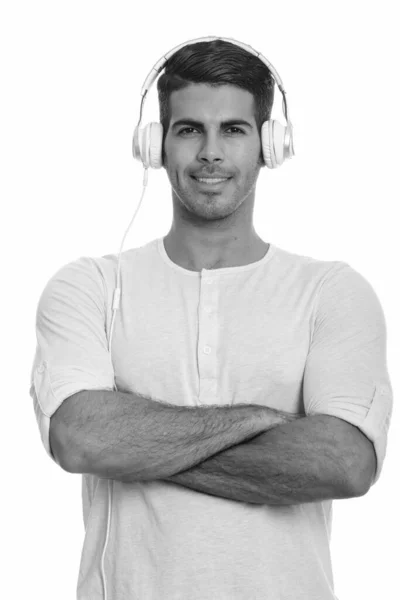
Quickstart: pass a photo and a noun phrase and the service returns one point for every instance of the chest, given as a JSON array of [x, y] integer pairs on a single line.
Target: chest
[[212, 344]]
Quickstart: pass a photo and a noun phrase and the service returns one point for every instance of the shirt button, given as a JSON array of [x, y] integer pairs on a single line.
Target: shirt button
[[208, 281], [208, 309], [206, 349]]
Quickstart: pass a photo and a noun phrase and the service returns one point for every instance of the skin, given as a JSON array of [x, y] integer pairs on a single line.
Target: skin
[[213, 228]]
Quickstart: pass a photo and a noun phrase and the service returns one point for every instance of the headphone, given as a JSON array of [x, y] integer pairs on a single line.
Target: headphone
[[276, 143], [276, 140]]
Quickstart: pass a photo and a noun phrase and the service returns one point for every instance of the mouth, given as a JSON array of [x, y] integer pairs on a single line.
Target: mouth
[[211, 182]]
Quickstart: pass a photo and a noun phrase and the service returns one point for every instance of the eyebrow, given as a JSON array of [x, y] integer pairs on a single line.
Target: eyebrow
[[200, 125]]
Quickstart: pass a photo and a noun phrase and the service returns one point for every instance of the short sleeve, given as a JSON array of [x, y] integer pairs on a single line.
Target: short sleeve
[[72, 347], [346, 370]]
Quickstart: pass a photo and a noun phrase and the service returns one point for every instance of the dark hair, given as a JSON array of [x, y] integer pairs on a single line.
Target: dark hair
[[216, 63]]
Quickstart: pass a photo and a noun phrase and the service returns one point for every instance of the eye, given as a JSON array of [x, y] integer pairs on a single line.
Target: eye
[[185, 129], [237, 129]]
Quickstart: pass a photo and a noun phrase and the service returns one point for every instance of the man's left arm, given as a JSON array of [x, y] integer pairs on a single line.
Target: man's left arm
[[314, 458], [337, 449]]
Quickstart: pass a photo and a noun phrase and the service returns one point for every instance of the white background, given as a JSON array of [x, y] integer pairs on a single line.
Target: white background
[[71, 76]]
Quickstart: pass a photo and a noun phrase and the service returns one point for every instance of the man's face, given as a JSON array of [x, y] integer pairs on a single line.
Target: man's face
[[212, 147]]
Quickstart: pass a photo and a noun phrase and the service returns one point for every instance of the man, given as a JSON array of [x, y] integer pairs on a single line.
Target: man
[[252, 382]]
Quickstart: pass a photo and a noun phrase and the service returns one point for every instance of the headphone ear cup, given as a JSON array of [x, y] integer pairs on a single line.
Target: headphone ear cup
[[147, 145], [136, 144], [273, 143], [155, 140], [144, 142]]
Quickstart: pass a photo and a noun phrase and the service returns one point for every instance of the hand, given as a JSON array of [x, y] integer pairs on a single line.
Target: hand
[[271, 417], [283, 416], [289, 417]]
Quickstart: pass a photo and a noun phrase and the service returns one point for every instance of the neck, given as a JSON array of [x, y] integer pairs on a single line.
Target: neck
[[196, 251]]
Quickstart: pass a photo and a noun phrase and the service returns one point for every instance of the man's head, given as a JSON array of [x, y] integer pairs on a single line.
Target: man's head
[[213, 86], [216, 63]]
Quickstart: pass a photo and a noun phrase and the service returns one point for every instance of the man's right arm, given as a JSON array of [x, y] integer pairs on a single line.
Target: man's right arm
[[118, 435]]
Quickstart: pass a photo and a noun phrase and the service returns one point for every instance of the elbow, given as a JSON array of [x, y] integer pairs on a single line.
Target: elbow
[[63, 450], [364, 464]]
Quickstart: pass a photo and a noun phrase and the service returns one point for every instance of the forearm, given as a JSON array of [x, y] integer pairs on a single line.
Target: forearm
[[128, 437], [293, 463]]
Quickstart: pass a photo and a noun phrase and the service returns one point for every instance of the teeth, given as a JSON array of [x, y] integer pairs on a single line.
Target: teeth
[[208, 180]]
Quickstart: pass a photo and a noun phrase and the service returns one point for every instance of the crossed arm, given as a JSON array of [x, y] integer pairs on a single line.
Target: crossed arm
[[247, 453], [311, 459]]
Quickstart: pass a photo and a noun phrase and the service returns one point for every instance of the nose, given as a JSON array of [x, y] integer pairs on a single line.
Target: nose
[[211, 149]]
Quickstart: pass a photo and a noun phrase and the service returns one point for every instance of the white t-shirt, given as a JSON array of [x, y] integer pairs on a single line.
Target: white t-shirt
[[288, 331]]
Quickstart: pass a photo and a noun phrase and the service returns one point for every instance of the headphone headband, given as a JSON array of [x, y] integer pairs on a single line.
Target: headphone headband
[[158, 67]]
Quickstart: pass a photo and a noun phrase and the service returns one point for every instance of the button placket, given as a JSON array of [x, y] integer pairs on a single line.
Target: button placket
[[207, 342]]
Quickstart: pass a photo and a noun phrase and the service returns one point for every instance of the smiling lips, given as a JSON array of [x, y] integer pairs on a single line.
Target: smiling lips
[[211, 180]]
